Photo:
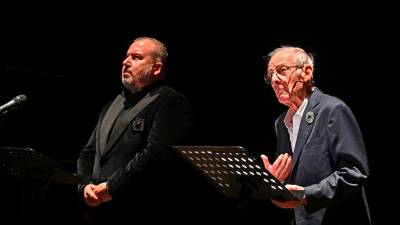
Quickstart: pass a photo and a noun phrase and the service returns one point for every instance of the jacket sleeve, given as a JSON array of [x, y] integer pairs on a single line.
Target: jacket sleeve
[[86, 160], [86, 157], [349, 160]]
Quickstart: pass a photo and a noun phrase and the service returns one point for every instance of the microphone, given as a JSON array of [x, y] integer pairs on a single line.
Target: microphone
[[294, 85], [14, 103]]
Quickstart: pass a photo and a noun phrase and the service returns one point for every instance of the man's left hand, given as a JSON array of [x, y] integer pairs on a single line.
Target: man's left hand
[[292, 203], [101, 191]]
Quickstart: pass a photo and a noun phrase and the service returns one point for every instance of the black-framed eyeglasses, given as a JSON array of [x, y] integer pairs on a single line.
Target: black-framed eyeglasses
[[281, 71]]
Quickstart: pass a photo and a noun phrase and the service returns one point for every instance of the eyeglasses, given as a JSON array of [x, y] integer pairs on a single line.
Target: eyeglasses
[[281, 71]]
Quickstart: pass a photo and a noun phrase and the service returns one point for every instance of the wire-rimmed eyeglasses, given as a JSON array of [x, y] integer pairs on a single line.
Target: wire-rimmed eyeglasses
[[281, 71]]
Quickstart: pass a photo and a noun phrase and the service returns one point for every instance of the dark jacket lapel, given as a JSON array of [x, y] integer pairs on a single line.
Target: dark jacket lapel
[[108, 121], [127, 118], [283, 140]]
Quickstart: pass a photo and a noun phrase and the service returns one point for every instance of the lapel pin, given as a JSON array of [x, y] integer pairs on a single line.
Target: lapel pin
[[138, 124], [309, 117]]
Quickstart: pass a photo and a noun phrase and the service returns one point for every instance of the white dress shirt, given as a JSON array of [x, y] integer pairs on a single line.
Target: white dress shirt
[[292, 122]]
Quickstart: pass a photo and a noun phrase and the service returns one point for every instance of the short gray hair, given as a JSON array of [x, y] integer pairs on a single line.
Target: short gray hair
[[302, 57]]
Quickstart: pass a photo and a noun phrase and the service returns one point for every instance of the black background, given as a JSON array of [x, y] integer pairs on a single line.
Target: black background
[[67, 60]]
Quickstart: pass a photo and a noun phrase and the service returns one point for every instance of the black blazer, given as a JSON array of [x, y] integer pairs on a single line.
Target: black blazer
[[133, 160], [330, 161]]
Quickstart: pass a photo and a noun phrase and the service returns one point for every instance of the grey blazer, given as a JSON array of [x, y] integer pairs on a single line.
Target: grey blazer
[[330, 161]]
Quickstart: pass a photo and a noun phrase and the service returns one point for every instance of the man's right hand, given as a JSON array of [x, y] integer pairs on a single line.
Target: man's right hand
[[280, 168], [90, 196]]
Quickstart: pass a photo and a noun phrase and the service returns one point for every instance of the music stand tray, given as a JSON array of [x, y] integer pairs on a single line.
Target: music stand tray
[[235, 172], [29, 164]]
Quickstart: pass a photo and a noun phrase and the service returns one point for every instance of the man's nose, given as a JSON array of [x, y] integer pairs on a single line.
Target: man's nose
[[126, 61]]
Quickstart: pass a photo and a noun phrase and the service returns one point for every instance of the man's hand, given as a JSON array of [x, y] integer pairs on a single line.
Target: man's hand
[[101, 192], [90, 197], [280, 168], [292, 203]]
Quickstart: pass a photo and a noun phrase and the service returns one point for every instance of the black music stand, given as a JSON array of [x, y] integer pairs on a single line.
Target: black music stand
[[28, 164], [237, 174], [35, 173]]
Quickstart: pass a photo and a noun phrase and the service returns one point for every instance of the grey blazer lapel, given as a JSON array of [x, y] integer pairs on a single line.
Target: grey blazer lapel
[[307, 124], [108, 121], [121, 127], [284, 138]]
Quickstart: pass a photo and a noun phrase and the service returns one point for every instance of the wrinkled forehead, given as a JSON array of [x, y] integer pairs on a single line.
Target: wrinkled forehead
[[283, 57]]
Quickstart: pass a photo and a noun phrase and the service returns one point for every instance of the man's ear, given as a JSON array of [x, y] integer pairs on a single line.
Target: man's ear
[[308, 72], [157, 66]]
